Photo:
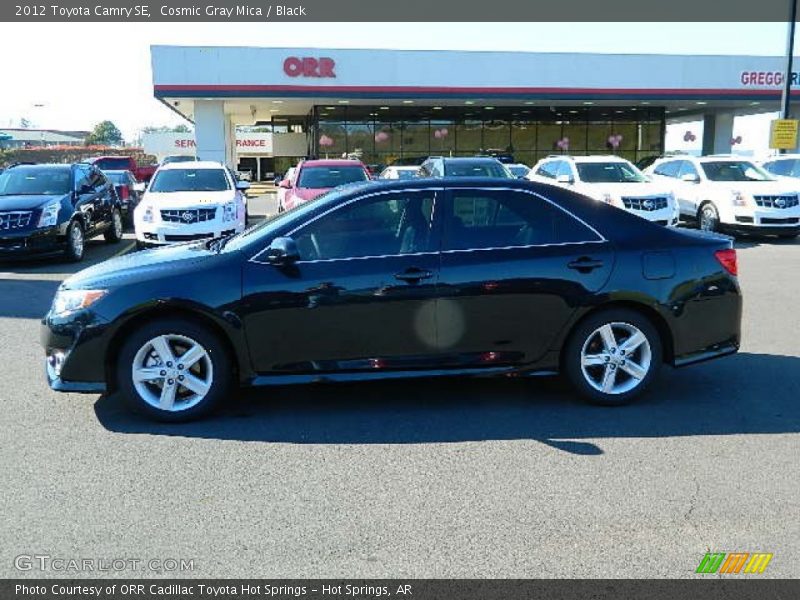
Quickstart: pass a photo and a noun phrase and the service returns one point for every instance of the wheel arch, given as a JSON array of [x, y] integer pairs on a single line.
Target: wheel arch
[[651, 314], [167, 311]]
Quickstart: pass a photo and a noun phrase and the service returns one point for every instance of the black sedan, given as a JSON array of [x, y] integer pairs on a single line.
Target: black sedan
[[414, 278]]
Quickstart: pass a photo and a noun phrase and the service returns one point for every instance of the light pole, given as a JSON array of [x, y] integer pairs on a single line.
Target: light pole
[[787, 79]]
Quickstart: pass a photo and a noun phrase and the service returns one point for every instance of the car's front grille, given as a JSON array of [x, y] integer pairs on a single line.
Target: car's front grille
[[187, 238], [777, 201], [646, 204], [744, 219], [15, 219], [768, 221], [189, 215]]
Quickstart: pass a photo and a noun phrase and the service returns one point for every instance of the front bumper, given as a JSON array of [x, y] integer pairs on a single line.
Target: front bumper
[[160, 234], [32, 241], [75, 352], [775, 222]]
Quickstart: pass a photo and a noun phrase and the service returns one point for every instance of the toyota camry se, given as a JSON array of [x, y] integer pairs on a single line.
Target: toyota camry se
[[398, 279]]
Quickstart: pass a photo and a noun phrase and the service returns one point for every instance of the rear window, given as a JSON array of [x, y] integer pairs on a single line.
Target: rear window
[[190, 180], [117, 177], [35, 181], [476, 168], [330, 177], [110, 164]]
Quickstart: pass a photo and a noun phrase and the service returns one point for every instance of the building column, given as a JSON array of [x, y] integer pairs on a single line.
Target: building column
[[214, 133], [717, 132]]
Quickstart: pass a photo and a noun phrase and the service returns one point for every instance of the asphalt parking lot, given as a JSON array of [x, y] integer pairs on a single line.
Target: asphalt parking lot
[[455, 478]]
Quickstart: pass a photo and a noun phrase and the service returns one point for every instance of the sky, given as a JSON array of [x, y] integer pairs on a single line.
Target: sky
[[71, 76]]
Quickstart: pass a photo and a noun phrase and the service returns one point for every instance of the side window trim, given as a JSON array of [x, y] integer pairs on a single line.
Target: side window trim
[[437, 191], [601, 238]]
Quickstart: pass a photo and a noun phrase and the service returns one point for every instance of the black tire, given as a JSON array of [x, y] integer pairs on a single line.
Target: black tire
[[113, 234], [583, 335], [221, 378], [708, 217], [76, 242], [140, 245]]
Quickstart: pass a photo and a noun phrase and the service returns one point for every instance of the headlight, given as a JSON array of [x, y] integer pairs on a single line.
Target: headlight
[[229, 212], [147, 214], [738, 198], [70, 301], [49, 215]]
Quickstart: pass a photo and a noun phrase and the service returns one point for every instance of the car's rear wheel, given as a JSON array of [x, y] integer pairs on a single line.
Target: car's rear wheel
[[75, 242], [173, 370], [114, 232], [613, 356], [708, 217]]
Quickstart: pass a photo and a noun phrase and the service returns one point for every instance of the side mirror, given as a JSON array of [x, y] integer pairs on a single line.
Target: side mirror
[[690, 178], [139, 186], [285, 184], [282, 251], [242, 185], [564, 179], [277, 181]]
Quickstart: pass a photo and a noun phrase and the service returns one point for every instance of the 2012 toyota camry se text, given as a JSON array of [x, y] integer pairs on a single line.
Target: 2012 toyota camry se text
[[390, 279]]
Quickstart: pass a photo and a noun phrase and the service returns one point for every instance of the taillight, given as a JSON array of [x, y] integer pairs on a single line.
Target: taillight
[[123, 192], [727, 258]]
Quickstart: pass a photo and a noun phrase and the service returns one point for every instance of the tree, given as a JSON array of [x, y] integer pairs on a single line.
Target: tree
[[104, 133]]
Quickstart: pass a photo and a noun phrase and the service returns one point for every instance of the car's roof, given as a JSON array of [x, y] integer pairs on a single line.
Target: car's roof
[[39, 165], [781, 157], [331, 162], [404, 167], [466, 158], [191, 165], [594, 158], [115, 171]]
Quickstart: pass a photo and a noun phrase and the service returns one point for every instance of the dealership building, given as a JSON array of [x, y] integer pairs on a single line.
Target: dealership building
[[380, 105]]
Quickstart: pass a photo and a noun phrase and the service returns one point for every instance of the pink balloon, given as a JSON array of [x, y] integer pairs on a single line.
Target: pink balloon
[[444, 131], [437, 134], [381, 136]]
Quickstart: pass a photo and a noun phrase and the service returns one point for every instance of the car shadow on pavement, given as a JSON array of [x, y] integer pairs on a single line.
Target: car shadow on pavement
[[745, 393], [26, 298]]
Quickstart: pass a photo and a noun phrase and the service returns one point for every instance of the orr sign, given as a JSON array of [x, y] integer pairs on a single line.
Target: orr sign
[[307, 66]]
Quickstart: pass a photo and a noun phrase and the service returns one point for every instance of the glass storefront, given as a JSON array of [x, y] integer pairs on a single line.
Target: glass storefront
[[381, 134]]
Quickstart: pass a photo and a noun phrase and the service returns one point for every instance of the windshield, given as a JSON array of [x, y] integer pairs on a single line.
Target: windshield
[[330, 177], [35, 182], [265, 228], [734, 170], [610, 172], [406, 173], [518, 170], [789, 167], [108, 164], [190, 180], [476, 168]]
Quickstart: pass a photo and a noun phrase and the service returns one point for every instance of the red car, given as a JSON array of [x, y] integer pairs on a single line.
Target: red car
[[313, 178], [123, 163]]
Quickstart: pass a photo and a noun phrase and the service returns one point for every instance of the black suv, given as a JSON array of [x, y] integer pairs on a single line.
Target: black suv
[[439, 166], [55, 208]]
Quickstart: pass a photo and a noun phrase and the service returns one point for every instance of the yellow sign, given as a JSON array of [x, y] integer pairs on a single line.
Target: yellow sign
[[783, 134]]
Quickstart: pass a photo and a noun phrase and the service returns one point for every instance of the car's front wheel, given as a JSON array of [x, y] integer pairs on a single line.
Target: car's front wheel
[[173, 370], [613, 356], [708, 217]]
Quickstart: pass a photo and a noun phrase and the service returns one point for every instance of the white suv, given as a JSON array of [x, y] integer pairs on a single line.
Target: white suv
[[726, 193], [190, 201], [610, 179]]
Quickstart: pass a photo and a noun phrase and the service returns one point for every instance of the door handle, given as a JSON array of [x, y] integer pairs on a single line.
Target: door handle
[[413, 275], [585, 264]]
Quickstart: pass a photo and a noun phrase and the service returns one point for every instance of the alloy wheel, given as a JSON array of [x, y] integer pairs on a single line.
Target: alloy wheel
[[616, 358], [117, 223], [172, 372], [76, 240], [708, 219]]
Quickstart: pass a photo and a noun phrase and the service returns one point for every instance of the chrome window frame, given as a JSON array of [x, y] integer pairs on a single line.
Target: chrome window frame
[[602, 239]]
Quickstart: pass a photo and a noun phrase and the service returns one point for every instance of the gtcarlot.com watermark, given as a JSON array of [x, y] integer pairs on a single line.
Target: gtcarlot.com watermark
[[62, 564]]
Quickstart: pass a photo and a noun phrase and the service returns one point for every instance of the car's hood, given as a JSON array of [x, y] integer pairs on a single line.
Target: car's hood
[[27, 202], [756, 187], [645, 188], [309, 193], [178, 200], [139, 266]]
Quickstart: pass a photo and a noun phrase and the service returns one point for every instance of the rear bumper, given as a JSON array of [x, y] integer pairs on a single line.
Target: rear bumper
[[716, 351]]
